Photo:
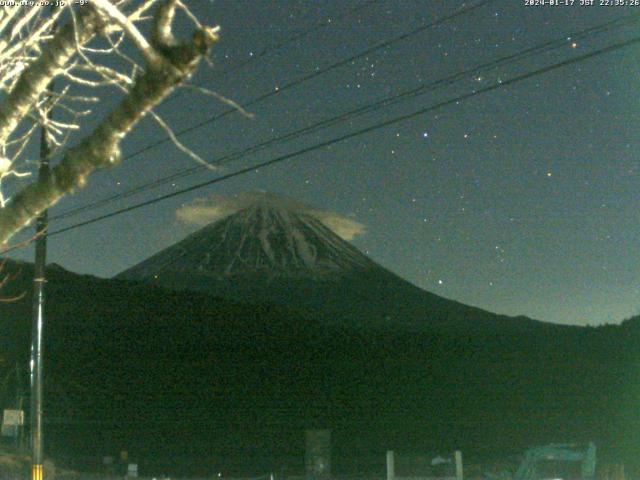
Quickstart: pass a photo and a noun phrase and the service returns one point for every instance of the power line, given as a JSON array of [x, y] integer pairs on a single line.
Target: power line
[[317, 73], [318, 26], [544, 47], [305, 78], [310, 76], [288, 41], [401, 118]]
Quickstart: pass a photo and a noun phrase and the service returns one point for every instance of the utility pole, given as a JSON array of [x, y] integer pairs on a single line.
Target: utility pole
[[39, 279], [19, 406]]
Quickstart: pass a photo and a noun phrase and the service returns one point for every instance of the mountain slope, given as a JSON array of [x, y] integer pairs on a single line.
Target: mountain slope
[[269, 253], [137, 367]]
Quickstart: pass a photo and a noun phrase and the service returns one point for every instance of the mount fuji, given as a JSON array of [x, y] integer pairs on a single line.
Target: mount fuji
[[273, 251]]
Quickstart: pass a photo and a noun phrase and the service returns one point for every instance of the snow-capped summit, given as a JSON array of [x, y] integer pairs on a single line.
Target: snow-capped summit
[[268, 239]]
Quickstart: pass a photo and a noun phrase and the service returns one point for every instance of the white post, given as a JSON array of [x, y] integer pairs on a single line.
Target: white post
[[458, 455], [391, 469]]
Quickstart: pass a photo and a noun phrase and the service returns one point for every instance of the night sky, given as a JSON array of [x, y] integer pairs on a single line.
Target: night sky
[[521, 200]]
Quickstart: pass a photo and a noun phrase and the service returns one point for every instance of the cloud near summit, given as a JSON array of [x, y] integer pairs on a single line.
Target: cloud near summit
[[203, 211]]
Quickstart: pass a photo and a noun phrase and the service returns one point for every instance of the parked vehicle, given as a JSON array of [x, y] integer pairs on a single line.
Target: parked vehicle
[[558, 462]]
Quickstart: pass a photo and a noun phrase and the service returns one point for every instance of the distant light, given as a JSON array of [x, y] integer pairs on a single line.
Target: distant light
[[574, 45], [440, 282]]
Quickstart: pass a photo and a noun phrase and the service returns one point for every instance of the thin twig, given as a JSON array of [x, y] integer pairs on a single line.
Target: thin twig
[[221, 98]]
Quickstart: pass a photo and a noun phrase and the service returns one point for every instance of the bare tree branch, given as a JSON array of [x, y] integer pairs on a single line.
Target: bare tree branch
[[35, 79], [170, 65], [221, 98], [150, 55], [182, 147]]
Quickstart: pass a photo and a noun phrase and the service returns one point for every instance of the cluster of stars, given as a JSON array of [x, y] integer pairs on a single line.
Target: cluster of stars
[[448, 178]]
